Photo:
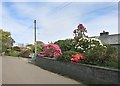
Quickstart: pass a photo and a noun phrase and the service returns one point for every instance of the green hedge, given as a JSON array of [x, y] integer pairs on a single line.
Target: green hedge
[[102, 56], [14, 53], [25, 53]]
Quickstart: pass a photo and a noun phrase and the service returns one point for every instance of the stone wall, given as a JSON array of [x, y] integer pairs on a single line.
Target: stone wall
[[81, 72]]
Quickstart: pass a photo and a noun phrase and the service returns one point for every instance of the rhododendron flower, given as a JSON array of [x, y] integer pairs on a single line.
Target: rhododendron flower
[[80, 26], [77, 57], [51, 50], [42, 54]]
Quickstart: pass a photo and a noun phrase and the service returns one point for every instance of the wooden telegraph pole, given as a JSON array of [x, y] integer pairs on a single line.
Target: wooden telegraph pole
[[35, 53]]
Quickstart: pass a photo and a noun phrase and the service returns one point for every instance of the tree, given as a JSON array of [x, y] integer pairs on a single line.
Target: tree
[[6, 40], [82, 42]]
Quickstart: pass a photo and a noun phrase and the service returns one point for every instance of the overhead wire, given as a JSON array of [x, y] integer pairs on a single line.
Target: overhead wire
[[69, 2], [84, 14], [93, 11], [60, 7]]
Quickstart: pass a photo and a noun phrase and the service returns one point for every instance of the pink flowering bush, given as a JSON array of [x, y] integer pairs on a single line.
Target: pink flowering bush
[[51, 50]]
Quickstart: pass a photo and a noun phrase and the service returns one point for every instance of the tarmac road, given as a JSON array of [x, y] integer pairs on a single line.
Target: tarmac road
[[18, 71]]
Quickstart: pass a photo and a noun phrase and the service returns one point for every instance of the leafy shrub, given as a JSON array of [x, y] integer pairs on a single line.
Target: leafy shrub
[[4, 49], [95, 55], [16, 48], [65, 45], [25, 53], [14, 53], [31, 46], [66, 56], [111, 53], [101, 55], [113, 64], [40, 48]]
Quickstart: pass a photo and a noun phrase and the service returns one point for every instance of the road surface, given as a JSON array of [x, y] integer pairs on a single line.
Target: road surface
[[18, 71]]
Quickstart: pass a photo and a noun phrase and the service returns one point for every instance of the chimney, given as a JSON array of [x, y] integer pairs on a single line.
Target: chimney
[[104, 33]]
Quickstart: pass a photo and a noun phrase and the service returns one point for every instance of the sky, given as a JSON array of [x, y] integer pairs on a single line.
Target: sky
[[57, 20]]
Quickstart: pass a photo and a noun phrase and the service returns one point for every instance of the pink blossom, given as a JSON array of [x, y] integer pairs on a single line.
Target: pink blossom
[[80, 26], [51, 50]]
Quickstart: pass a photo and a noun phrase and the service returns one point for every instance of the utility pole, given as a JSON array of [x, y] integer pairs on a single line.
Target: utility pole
[[35, 53]]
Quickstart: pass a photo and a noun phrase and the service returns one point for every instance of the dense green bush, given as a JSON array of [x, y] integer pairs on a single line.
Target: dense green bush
[[25, 53], [40, 48], [112, 53], [16, 48], [113, 64], [14, 53], [102, 55], [32, 47], [66, 45], [66, 56]]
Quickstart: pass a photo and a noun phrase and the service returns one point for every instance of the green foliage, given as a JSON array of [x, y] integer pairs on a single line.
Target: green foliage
[[40, 48], [6, 40], [96, 55], [102, 55], [65, 45], [112, 53], [66, 56], [113, 64], [32, 47], [16, 48], [25, 53], [14, 53]]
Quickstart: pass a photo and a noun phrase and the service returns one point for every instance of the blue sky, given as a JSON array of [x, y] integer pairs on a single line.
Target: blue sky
[[57, 20]]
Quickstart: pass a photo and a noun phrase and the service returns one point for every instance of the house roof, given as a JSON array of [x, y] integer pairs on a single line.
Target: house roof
[[110, 39]]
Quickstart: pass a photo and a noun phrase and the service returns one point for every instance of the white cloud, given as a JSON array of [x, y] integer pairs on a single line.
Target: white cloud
[[107, 22], [56, 26], [53, 28], [19, 32]]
